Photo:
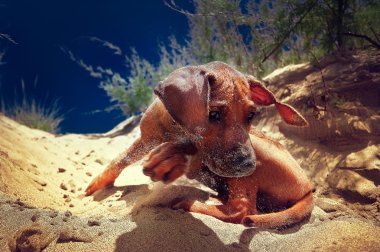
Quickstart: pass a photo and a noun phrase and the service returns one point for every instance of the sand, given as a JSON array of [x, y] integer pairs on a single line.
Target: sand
[[42, 203]]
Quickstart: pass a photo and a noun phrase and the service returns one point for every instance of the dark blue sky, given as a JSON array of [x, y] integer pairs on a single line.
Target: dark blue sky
[[42, 27]]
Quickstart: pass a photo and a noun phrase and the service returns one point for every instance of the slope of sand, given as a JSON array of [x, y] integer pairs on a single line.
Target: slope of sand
[[43, 176], [340, 150], [42, 205]]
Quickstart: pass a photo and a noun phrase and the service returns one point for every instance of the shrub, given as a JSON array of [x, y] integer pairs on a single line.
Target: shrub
[[33, 114], [132, 93], [256, 37]]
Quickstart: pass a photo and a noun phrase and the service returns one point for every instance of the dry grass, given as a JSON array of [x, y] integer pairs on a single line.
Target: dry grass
[[34, 114]]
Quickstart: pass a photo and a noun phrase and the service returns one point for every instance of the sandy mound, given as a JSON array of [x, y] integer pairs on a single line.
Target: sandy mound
[[42, 178], [341, 149]]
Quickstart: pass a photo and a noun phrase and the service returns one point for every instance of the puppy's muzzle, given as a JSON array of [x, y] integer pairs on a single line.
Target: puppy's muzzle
[[236, 163], [242, 165]]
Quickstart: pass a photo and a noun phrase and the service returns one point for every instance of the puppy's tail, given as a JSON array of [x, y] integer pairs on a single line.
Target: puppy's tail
[[298, 212]]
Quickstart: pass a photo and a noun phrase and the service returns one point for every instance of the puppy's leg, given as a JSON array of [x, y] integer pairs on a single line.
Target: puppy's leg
[[168, 161], [299, 211], [241, 201], [134, 153], [233, 211]]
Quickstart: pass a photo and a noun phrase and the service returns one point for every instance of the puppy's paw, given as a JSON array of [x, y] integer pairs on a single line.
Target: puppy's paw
[[98, 183], [166, 162]]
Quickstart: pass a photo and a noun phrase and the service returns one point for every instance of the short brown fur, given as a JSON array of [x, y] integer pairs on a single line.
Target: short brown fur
[[181, 137]]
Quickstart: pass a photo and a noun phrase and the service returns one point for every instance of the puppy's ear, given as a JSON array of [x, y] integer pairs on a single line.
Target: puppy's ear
[[261, 96], [185, 94]]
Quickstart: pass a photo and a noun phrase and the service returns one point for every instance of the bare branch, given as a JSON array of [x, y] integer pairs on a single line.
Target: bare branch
[[7, 37], [172, 5], [374, 43]]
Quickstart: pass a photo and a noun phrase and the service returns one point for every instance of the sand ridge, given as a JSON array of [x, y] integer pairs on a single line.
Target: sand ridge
[[43, 177], [131, 216]]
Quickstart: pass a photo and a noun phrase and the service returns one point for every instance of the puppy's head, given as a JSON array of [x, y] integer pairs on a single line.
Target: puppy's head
[[216, 104]]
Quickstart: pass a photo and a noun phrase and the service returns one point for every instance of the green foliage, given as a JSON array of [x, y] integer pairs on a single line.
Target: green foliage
[[216, 33], [322, 23], [33, 114], [254, 36], [249, 33], [324, 26], [134, 93]]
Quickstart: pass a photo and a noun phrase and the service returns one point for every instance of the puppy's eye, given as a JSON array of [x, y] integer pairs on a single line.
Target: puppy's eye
[[250, 116], [214, 116]]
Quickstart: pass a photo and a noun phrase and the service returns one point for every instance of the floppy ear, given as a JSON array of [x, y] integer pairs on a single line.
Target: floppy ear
[[263, 97], [185, 94]]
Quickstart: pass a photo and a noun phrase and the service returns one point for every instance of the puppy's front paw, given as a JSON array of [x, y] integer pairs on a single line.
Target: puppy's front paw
[[98, 183], [166, 162]]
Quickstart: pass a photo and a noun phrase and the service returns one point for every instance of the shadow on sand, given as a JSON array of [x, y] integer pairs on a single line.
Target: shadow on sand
[[164, 229], [160, 228]]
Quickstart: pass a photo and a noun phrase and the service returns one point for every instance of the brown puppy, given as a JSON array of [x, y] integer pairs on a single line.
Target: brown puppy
[[201, 122], [278, 183]]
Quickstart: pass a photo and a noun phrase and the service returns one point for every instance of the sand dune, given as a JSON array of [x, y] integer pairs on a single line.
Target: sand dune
[[43, 177], [42, 205]]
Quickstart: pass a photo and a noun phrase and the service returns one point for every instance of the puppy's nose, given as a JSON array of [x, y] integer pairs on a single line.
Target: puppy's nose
[[247, 163], [238, 160], [243, 166], [240, 156]]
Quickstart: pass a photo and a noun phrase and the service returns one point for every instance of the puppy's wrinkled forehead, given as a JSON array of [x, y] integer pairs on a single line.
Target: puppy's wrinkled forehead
[[229, 85], [223, 70]]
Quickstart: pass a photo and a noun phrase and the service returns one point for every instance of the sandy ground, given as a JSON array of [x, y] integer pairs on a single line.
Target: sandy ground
[[42, 206]]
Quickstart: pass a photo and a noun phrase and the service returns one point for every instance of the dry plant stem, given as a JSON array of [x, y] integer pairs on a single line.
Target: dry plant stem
[[323, 81]]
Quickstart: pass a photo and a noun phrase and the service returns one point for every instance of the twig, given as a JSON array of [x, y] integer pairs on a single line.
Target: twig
[[172, 5], [7, 37], [374, 43], [323, 81]]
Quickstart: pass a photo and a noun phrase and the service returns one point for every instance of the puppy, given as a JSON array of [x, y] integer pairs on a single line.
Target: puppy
[[201, 122]]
